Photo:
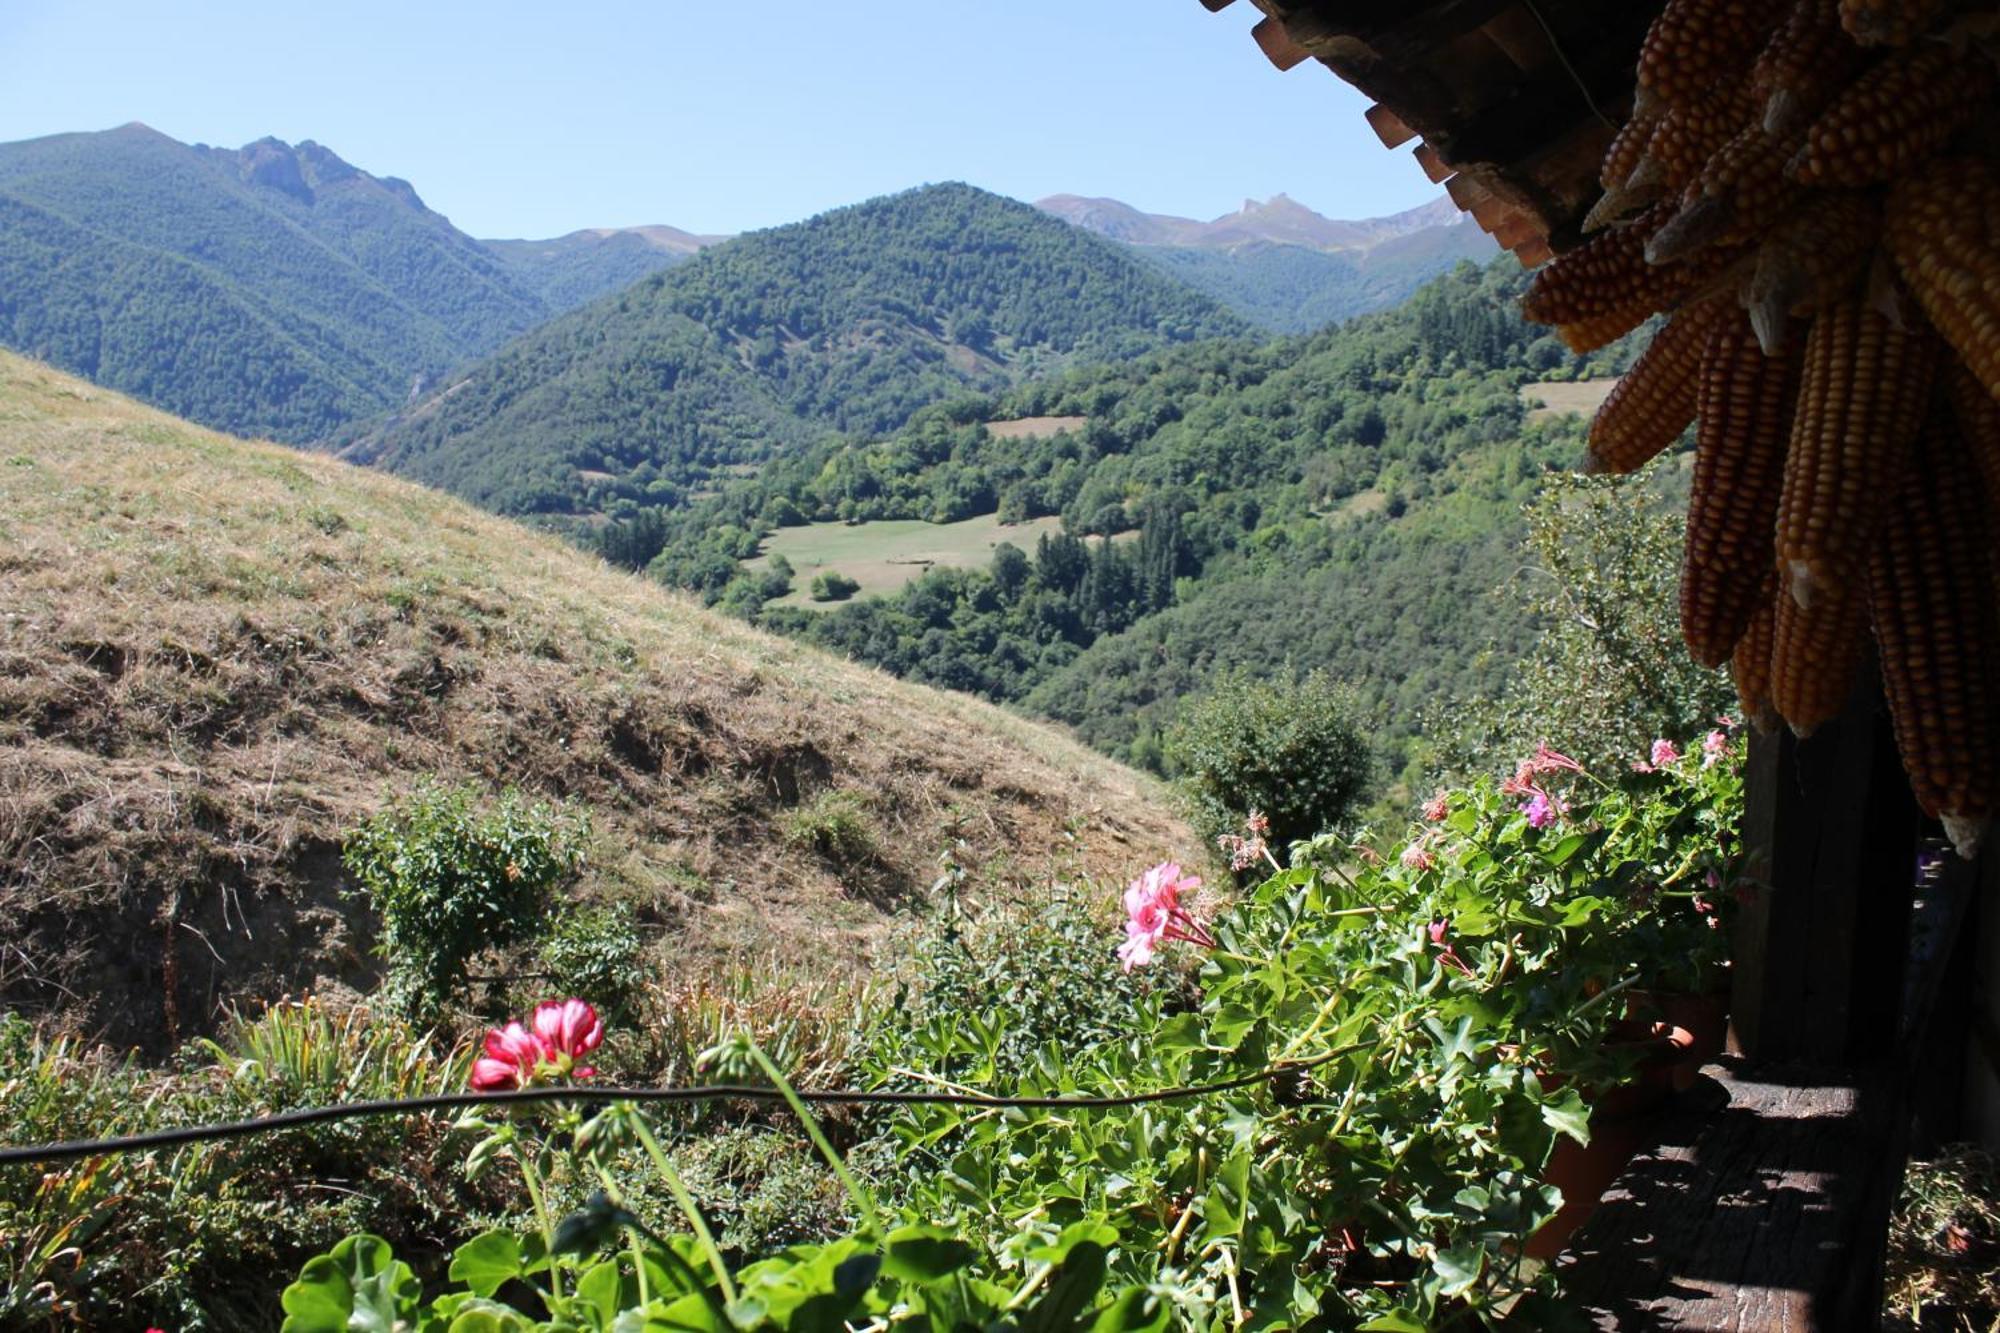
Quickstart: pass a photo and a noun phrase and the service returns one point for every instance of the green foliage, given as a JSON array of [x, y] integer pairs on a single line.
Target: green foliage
[[836, 824], [597, 951], [1608, 668], [1007, 985], [1292, 751], [274, 290], [450, 879], [1439, 1011], [833, 586], [192, 1239]]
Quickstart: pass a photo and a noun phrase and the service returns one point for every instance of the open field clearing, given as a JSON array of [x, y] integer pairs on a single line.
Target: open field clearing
[[1556, 398], [885, 555]]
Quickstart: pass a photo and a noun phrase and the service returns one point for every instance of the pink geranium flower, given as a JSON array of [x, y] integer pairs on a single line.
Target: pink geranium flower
[[1438, 806], [1418, 857], [1545, 760], [513, 1056], [570, 1030], [559, 1033], [1154, 914], [1713, 747], [1664, 753], [1539, 810]]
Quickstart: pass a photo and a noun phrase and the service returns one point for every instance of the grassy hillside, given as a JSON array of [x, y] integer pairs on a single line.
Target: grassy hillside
[[848, 322], [217, 657], [272, 289]]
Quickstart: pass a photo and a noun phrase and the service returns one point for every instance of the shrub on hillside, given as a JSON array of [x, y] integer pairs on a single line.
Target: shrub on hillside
[[1289, 749], [597, 951], [450, 878], [833, 586]]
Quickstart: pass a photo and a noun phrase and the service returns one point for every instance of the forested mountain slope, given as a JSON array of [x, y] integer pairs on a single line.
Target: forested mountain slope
[[1348, 501], [848, 322], [272, 289], [219, 657], [573, 270]]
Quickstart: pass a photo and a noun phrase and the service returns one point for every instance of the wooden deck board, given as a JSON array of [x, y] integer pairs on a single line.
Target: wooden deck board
[[1763, 1207]]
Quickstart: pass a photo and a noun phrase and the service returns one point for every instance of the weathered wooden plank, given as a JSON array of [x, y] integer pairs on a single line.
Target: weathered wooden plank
[[1830, 830], [1763, 1207]]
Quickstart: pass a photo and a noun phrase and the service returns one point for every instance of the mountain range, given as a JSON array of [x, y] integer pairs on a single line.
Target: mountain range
[[1284, 267], [278, 290]]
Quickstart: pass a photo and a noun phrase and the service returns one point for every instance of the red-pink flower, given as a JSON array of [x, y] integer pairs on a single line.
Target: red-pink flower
[[1418, 857], [513, 1055], [1523, 781], [1545, 760], [1154, 914], [1256, 823], [517, 1057], [1664, 753], [570, 1030], [1713, 747], [1447, 953], [1438, 806]]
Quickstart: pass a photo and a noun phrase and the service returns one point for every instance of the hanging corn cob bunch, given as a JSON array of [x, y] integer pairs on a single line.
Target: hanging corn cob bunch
[[1809, 190]]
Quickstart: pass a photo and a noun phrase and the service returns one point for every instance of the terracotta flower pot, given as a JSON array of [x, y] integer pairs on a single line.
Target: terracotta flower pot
[[1669, 1062]]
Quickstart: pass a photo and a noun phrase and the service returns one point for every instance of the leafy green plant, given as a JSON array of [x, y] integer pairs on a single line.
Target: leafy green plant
[[1290, 750], [1438, 1016], [450, 879], [597, 951]]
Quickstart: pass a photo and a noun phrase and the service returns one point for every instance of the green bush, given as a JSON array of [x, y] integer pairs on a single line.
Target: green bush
[[833, 586], [1288, 748], [982, 998], [596, 952], [450, 879]]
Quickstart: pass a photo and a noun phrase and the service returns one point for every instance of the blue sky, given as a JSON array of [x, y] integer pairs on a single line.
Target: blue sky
[[520, 120]]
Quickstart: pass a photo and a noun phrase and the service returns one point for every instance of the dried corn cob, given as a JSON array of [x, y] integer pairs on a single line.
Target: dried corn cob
[[1930, 599], [1861, 401], [1627, 147], [1745, 405], [1943, 229], [1808, 60], [1695, 45], [1750, 664], [1655, 400], [1887, 22], [1605, 288], [1812, 260], [1893, 117], [1976, 418], [1738, 193], [1813, 651], [1688, 136]]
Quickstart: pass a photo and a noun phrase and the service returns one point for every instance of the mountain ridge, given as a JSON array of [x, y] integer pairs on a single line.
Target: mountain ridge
[[1279, 220]]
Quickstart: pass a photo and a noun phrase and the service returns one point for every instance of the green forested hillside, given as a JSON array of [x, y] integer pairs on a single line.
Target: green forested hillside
[[573, 270], [1348, 501], [270, 290], [849, 322]]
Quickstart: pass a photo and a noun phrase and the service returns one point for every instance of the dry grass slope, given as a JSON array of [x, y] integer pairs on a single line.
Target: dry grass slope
[[216, 657]]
